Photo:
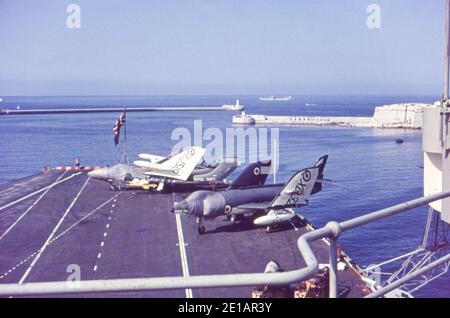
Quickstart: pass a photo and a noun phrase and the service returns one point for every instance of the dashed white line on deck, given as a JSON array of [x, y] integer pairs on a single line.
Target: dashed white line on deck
[[59, 235], [47, 242], [102, 243]]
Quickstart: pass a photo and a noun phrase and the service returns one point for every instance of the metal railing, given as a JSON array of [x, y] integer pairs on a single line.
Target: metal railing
[[331, 231]]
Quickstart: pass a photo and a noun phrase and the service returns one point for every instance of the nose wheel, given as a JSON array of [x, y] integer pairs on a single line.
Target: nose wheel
[[200, 228]]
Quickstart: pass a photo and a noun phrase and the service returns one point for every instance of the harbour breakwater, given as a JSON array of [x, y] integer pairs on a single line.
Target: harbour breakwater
[[405, 115], [19, 111], [113, 110]]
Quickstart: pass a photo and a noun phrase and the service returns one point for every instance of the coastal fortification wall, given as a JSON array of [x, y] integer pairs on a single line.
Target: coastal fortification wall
[[402, 115], [408, 115]]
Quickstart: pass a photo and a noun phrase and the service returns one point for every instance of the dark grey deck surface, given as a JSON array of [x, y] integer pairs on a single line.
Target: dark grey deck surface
[[130, 234]]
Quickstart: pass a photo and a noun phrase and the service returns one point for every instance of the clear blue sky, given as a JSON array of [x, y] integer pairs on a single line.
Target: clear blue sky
[[221, 47]]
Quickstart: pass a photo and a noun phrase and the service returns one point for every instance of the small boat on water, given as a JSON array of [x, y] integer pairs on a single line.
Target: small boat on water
[[275, 98]]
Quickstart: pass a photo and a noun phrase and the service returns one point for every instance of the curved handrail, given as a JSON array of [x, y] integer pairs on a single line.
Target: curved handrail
[[331, 230]]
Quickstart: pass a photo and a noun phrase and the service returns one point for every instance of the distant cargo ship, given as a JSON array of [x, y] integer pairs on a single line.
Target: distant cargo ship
[[275, 98]]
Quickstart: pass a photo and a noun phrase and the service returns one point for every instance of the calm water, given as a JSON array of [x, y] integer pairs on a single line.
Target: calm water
[[372, 171]]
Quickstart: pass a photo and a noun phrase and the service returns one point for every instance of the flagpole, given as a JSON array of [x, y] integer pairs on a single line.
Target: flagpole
[[125, 150]]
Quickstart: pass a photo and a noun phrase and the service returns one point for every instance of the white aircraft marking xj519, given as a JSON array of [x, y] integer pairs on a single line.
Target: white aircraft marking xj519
[[274, 201]]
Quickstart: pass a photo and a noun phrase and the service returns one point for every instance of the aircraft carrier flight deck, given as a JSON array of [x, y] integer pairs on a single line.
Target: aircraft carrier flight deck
[[78, 221]]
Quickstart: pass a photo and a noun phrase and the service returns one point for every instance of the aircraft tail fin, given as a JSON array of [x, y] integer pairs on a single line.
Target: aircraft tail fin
[[182, 164], [222, 170], [301, 185], [253, 175], [320, 163]]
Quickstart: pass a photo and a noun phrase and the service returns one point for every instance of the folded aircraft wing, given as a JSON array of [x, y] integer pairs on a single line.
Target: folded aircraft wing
[[151, 158]]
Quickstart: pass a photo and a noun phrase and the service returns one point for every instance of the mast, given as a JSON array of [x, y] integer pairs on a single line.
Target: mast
[[444, 131], [436, 137], [274, 163], [447, 51], [125, 148]]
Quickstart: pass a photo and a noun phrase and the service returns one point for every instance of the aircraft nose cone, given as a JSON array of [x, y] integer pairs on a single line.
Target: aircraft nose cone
[[180, 207], [97, 173]]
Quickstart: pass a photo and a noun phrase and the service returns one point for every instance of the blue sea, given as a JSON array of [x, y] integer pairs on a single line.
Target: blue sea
[[370, 169]]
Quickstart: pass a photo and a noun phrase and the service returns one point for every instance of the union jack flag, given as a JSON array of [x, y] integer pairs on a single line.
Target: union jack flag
[[119, 122]]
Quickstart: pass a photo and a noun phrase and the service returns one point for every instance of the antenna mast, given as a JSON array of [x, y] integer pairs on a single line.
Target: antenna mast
[[125, 148], [447, 52]]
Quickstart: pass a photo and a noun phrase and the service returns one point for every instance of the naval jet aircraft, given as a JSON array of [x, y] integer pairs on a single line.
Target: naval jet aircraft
[[178, 166], [250, 176], [275, 202], [126, 177]]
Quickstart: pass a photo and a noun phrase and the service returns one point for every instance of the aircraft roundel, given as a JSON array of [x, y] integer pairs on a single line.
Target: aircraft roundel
[[256, 171], [307, 175]]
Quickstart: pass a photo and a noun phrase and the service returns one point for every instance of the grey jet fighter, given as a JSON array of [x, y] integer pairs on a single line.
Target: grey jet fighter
[[180, 166]]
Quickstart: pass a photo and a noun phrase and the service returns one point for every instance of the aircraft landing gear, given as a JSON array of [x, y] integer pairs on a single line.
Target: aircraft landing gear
[[274, 227], [200, 228], [114, 186], [235, 218], [269, 229]]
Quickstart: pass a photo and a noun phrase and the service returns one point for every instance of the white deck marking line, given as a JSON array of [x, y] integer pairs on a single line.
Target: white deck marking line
[[184, 262], [47, 242], [103, 242], [30, 207], [63, 232], [38, 191]]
